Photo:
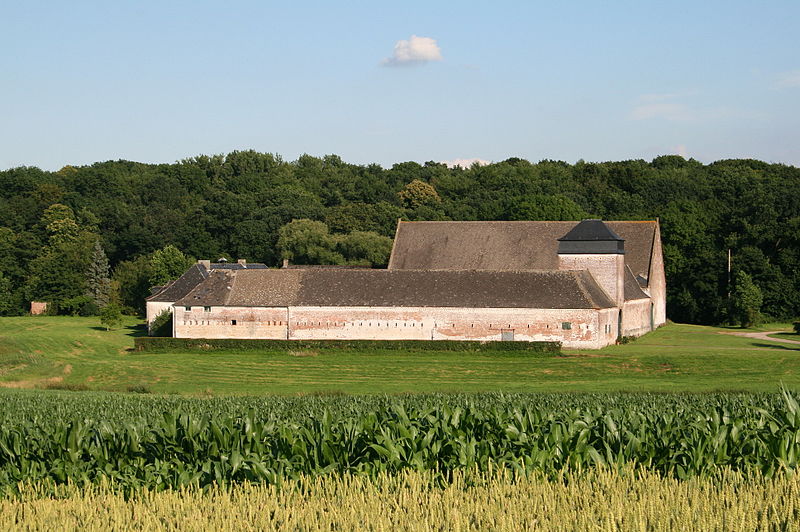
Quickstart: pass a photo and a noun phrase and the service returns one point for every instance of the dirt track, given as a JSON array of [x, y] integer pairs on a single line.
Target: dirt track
[[764, 336]]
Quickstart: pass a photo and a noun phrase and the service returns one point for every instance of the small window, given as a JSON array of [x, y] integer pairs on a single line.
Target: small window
[[188, 309], [566, 325], [206, 309], [233, 322]]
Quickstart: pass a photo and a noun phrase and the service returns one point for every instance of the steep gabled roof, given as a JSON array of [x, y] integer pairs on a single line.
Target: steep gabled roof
[[183, 285], [399, 288], [505, 245]]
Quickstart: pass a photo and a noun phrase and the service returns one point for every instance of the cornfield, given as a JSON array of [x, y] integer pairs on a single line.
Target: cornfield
[[599, 499], [135, 443]]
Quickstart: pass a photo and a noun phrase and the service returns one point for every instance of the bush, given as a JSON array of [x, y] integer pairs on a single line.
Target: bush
[[155, 344], [89, 308], [67, 386], [111, 316], [138, 388], [162, 324], [797, 327], [74, 305]]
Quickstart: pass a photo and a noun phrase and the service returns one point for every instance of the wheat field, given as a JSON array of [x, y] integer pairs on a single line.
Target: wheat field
[[600, 499]]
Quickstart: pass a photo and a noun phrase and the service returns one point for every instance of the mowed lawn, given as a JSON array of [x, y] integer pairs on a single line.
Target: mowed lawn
[[40, 352]]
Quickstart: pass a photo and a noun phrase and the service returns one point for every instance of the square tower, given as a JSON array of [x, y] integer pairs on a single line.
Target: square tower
[[592, 245]]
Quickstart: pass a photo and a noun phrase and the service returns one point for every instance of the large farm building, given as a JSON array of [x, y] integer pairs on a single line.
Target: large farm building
[[584, 284]]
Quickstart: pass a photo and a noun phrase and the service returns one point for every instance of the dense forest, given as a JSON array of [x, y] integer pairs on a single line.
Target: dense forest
[[85, 237]]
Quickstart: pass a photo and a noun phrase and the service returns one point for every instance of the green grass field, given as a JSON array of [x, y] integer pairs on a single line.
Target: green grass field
[[40, 352]]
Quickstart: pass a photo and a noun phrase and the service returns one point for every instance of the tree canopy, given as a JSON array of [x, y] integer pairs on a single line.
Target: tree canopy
[[150, 219]]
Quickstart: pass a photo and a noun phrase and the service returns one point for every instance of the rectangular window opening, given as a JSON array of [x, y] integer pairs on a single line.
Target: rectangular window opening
[[206, 309], [566, 325], [233, 322]]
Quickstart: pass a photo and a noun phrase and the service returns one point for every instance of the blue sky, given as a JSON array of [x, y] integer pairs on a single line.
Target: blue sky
[[159, 81]]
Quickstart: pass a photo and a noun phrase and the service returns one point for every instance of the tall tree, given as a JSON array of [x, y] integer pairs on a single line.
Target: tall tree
[[365, 247], [168, 264], [308, 242], [419, 194], [747, 300], [6, 296], [133, 279], [98, 281]]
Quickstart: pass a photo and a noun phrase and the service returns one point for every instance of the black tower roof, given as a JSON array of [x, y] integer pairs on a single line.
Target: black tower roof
[[591, 236]]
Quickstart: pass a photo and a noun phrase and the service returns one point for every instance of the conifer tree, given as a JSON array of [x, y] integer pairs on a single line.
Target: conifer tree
[[98, 280]]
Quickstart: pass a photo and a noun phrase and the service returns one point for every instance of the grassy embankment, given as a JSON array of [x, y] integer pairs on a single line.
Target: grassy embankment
[[62, 351], [598, 500]]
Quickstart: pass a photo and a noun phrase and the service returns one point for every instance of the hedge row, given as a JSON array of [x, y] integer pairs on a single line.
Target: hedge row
[[157, 344]]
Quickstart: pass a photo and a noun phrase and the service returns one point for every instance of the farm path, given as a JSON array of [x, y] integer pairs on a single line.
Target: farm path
[[763, 336]]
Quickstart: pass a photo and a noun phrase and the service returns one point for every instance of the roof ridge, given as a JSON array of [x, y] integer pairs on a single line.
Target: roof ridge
[[516, 221], [232, 275], [580, 278]]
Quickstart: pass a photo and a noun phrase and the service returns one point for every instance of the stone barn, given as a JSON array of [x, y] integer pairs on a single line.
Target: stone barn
[[584, 284]]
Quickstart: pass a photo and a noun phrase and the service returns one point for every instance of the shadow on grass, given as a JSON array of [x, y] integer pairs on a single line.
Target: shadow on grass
[[133, 331], [136, 330], [773, 346]]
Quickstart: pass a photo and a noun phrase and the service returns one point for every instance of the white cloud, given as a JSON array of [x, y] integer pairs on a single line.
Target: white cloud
[[661, 106], [681, 150], [415, 50], [465, 163], [788, 80]]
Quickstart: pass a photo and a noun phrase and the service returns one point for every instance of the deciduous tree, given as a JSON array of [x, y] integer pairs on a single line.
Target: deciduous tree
[[747, 300]]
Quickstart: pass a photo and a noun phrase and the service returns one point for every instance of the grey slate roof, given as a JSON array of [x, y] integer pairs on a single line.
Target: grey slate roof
[[505, 245], [181, 286], [399, 288], [591, 230], [631, 287], [196, 274]]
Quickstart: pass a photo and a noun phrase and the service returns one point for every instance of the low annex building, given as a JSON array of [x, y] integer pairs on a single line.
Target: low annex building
[[584, 284], [164, 297]]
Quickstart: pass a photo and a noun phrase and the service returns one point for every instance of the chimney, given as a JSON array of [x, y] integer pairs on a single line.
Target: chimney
[[285, 263], [592, 245], [205, 264], [243, 262]]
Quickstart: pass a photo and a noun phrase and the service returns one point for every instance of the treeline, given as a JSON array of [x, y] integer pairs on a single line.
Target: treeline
[[88, 234]]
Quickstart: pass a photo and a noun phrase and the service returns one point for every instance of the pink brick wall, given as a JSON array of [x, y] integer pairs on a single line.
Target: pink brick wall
[[636, 317], [38, 307], [251, 322], [588, 328]]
